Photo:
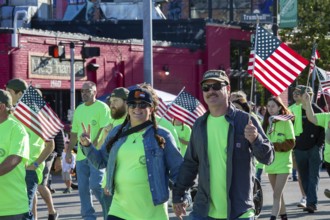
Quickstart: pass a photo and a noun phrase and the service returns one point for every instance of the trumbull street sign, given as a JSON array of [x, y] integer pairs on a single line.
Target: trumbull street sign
[[252, 18]]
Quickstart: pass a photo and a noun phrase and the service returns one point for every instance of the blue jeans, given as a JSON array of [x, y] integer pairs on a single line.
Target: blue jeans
[[308, 164], [89, 181], [107, 203], [194, 216], [14, 217], [31, 180]]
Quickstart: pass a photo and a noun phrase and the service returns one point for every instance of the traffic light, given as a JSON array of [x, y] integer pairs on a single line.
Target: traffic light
[[57, 51], [87, 52]]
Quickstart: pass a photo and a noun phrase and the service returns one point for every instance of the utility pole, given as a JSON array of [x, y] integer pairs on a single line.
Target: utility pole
[[72, 79], [147, 42], [275, 13]]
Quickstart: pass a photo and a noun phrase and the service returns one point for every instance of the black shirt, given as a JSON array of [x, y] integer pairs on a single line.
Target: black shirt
[[312, 135]]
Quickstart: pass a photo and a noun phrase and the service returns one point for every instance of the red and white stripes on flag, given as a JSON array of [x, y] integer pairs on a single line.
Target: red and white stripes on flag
[[186, 108], [162, 110], [37, 115], [274, 64], [278, 118]]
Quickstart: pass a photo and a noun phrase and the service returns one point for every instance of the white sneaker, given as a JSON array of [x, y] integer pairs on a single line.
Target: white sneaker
[[302, 203]]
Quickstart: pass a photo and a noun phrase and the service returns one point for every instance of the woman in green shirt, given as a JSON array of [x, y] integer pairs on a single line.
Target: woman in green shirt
[[280, 132]]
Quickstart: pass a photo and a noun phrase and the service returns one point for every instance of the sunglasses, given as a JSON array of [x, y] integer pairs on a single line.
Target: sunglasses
[[141, 105], [214, 86], [296, 93]]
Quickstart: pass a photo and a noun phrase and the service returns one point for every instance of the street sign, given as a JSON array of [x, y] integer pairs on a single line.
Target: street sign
[[252, 18]]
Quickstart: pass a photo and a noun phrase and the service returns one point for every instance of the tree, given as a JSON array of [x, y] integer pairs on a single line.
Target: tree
[[313, 27]]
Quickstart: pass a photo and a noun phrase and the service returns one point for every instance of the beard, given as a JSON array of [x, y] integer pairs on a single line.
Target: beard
[[117, 113]]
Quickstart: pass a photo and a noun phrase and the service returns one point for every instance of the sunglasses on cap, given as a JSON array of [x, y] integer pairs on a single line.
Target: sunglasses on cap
[[215, 86], [141, 105]]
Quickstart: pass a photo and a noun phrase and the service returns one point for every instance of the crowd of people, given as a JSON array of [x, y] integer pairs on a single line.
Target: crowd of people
[[131, 159]]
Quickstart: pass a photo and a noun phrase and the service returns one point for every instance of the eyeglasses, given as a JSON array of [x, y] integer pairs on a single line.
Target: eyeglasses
[[214, 86], [141, 105]]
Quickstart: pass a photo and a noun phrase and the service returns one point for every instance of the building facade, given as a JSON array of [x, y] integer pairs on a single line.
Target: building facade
[[176, 65]]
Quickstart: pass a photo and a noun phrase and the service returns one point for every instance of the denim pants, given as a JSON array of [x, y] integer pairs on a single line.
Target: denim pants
[[194, 216], [14, 217], [89, 183], [31, 180], [107, 203], [308, 164]]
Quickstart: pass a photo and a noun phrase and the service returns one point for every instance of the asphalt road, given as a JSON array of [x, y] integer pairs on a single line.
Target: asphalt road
[[68, 205]]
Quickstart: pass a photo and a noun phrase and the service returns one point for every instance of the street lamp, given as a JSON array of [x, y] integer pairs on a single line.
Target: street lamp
[[14, 36]]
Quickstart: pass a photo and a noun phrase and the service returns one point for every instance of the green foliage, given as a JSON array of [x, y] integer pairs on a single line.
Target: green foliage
[[313, 27]]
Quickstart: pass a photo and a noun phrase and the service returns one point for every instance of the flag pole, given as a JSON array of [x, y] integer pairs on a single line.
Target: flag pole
[[254, 61], [311, 60]]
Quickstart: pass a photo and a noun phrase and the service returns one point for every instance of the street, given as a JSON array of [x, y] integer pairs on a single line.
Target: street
[[68, 205]]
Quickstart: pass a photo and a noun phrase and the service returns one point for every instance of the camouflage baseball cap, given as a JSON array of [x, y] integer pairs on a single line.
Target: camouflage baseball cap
[[119, 92], [218, 75], [17, 84]]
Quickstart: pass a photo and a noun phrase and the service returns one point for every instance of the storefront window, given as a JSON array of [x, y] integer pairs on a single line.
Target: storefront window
[[220, 9]]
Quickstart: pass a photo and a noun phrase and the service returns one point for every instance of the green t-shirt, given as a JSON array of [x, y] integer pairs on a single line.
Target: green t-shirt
[[114, 122], [169, 126], [96, 115], [132, 198], [322, 120], [297, 111], [283, 130], [217, 133], [184, 132], [37, 145], [13, 194]]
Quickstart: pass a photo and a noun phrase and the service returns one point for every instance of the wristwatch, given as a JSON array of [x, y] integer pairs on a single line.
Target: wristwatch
[[36, 164]]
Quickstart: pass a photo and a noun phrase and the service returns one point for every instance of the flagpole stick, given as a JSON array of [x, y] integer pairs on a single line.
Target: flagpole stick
[[325, 100], [254, 61], [309, 74]]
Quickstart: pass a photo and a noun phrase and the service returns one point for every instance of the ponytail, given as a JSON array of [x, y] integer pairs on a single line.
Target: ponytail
[[160, 140]]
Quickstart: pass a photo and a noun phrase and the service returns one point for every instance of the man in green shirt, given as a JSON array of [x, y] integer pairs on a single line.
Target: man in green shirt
[[14, 148], [117, 104], [118, 110], [96, 114], [223, 145], [39, 149]]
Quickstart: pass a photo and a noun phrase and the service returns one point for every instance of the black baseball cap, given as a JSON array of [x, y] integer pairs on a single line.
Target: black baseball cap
[[140, 94]]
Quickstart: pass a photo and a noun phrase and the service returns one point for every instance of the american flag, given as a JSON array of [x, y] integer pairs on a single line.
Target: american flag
[[278, 118], [162, 110], [324, 79], [37, 115], [186, 108], [315, 56], [274, 64]]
